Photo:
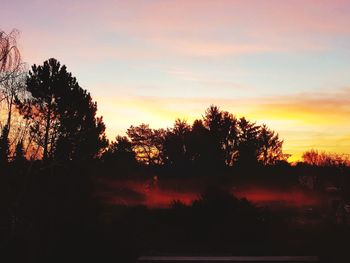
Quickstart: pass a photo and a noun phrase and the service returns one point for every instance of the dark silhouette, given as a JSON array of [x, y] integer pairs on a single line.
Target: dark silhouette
[[4, 146], [147, 143], [216, 142], [316, 158], [176, 145], [62, 115], [270, 147], [67, 194], [19, 158], [119, 157]]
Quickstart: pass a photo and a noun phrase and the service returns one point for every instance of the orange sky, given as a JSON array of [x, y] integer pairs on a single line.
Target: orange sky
[[304, 121], [283, 63]]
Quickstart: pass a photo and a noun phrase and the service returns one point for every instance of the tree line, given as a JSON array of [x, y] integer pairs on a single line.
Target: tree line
[[46, 115], [56, 120], [61, 124], [218, 139], [58, 117]]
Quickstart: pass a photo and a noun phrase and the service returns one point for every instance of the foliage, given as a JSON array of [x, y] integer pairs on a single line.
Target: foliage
[[4, 146], [19, 153], [120, 153], [62, 115], [147, 143], [176, 150], [219, 140], [319, 158]]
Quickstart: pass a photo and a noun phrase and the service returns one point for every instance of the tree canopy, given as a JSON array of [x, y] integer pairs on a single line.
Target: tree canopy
[[218, 140], [62, 115]]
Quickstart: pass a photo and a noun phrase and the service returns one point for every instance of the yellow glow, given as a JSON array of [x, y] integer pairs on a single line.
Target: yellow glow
[[302, 123]]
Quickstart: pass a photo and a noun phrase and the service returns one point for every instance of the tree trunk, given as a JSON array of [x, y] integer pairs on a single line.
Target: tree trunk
[[9, 115], [47, 129]]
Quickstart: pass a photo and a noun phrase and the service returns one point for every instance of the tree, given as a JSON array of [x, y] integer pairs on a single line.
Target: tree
[[12, 89], [10, 57], [12, 79], [230, 140], [4, 146], [147, 143], [248, 143], [198, 148], [213, 122], [62, 115], [319, 158], [216, 141], [176, 144], [223, 129], [270, 147], [41, 108], [120, 153], [81, 135], [19, 157]]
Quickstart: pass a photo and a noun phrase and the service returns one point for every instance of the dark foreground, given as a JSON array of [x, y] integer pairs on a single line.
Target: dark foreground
[[164, 259], [56, 216]]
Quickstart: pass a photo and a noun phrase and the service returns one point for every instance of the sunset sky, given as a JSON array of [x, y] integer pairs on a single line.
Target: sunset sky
[[283, 63]]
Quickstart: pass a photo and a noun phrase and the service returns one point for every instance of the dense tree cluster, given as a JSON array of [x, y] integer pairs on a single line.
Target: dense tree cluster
[[53, 148], [62, 116], [45, 114], [217, 140], [61, 124], [321, 158], [56, 118]]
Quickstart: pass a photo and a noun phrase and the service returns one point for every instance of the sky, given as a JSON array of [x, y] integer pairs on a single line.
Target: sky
[[282, 63]]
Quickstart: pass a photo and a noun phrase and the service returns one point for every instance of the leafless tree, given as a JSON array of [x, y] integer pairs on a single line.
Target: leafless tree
[[12, 88], [10, 57]]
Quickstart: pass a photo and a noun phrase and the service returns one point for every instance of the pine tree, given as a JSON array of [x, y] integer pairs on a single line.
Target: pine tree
[[62, 114], [4, 146], [19, 153]]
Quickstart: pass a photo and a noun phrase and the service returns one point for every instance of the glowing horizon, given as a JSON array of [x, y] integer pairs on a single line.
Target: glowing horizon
[[283, 63]]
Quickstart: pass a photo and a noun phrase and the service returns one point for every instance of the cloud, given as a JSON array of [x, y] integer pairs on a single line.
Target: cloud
[[197, 53], [153, 29]]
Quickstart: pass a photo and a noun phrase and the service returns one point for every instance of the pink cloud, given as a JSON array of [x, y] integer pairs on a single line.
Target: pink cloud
[[153, 29]]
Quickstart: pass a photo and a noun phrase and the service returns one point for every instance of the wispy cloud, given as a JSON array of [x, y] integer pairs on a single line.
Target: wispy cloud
[[153, 60]]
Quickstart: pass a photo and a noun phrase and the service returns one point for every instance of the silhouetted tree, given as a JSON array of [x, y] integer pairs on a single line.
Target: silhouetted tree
[[270, 147], [12, 79], [176, 144], [213, 122], [41, 108], [216, 141], [19, 157], [4, 146], [147, 143], [120, 152], [199, 149], [62, 115], [319, 158], [215, 198], [223, 135], [248, 145], [12, 89], [219, 207], [81, 135]]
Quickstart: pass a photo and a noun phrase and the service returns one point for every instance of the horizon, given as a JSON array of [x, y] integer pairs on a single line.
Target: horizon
[[137, 128], [155, 61]]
